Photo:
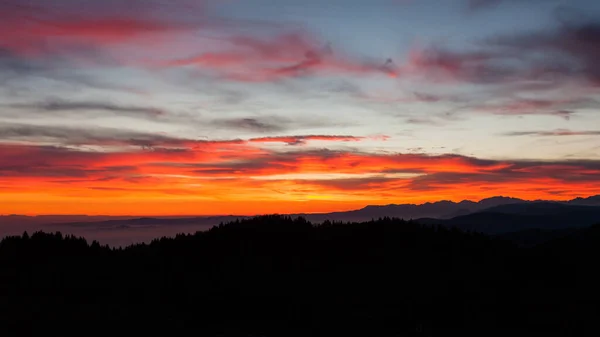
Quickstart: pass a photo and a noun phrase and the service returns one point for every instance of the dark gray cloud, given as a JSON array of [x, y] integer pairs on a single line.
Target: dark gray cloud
[[483, 4], [423, 121], [479, 67], [479, 4], [560, 132], [93, 136], [270, 124], [68, 136], [11, 64], [571, 50], [564, 108], [60, 106], [428, 98], [85, 174], [19, 73], [534, 60]]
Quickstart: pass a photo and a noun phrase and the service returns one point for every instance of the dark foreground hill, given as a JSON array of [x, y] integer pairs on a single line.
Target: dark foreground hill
[[524, 216], [278, 276]]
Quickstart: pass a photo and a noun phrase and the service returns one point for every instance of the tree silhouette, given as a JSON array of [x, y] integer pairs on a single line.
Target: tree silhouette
[[277, 275]]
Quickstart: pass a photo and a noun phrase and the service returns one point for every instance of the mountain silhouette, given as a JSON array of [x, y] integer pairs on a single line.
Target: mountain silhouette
[[443, 209], [518, 217], [590, 201], [496, 215]]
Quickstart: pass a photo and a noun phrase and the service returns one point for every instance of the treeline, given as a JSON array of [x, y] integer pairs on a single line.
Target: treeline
[[278, 276]]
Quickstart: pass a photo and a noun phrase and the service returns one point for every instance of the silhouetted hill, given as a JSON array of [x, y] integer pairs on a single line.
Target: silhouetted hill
[[536, 236], [590, 201], [279, 276], [523, 216], [541, 208]]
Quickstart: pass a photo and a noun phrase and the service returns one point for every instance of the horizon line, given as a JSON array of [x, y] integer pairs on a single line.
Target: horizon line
[[275, 213]]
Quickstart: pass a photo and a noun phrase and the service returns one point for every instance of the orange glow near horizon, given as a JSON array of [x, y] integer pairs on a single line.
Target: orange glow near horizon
[[244, 179], [142, 205]]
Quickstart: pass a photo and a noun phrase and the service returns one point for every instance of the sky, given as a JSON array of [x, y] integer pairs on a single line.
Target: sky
[[203, 107]]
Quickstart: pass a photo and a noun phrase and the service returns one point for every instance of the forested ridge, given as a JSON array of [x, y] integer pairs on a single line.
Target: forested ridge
[[279, 276]]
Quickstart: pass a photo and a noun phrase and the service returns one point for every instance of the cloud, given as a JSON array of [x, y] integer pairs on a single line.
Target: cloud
[[440, 65], [576, 41], [242, 171], [288, 55], [540, 177], [344, 162], [94, 33], [478, 4], [42, 26], [484, 4], [19, 74], [273, 124], [86, 137], [59, 106], [32, 38], [553, 107], [428, 98], [423, 121], [298, 140], [10, 64], [62, 40], [371, 184], [322, 60], [524, 61], [68, 136], [558, 132]]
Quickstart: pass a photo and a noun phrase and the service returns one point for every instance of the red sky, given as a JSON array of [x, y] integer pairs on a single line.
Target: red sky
[[244, 177]]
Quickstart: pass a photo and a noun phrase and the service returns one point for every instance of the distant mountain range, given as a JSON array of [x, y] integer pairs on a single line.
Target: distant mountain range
[[523, 216], [449, 209], [496, 215], [439, 210]]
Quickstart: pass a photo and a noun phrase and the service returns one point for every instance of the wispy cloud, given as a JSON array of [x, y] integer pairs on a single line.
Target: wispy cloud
[[33, 27], [252, 59], [558, 133], [271, 124], [95, 136], [576, 41], [553, 107], [298, 140], [550, 57], [120, 137], [478, 4], [484, 4], [83, 107], [74, 30]]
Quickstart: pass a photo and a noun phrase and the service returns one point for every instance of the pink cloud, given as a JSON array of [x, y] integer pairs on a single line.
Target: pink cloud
[[252, 59]]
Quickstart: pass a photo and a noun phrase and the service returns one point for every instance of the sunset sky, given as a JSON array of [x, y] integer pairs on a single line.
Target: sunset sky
[[193, 107]]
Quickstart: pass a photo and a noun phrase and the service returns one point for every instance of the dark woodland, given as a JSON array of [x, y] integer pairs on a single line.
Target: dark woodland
[[279, 276]]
